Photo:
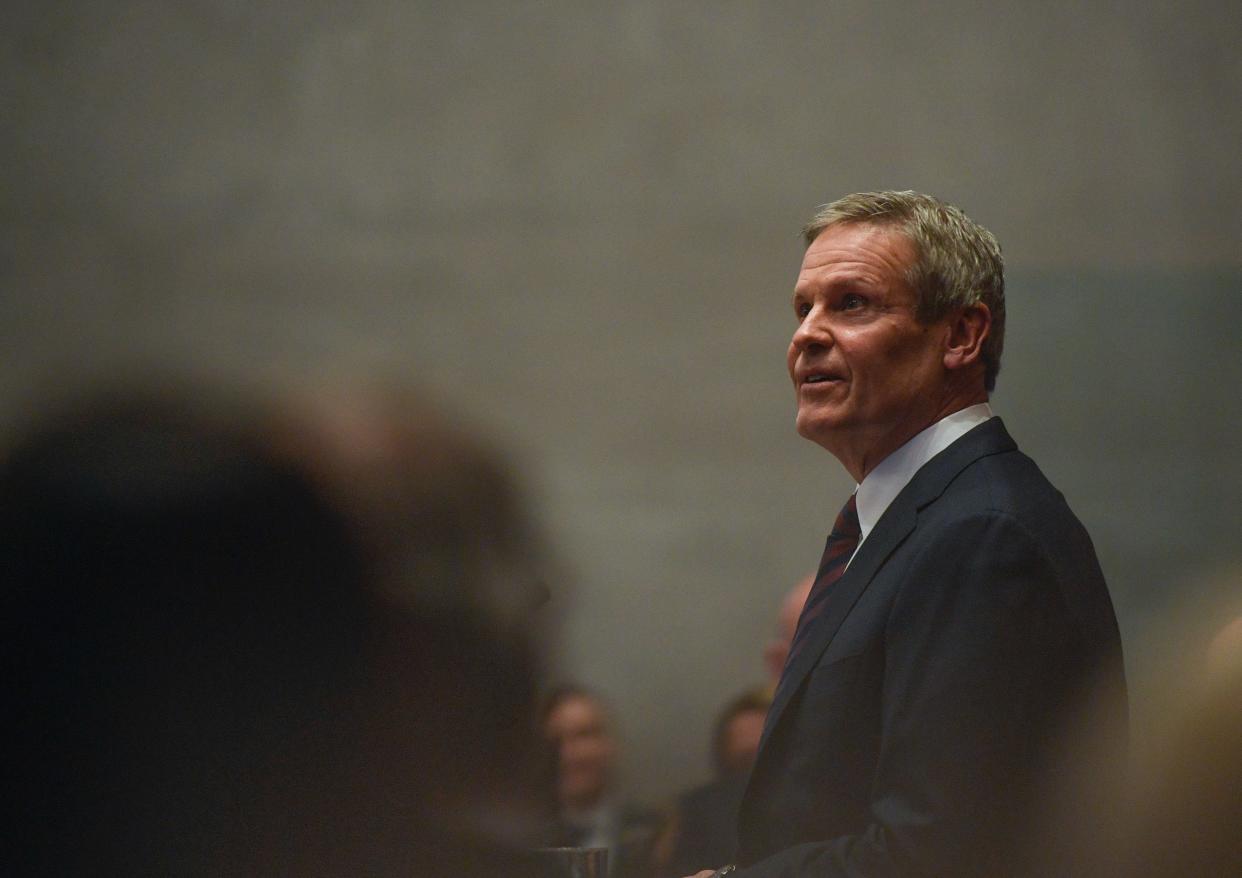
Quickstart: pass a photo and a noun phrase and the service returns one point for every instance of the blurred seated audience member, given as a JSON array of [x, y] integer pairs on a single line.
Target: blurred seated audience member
[[704, 825], [777, 649], [703, 829], [590, 810], [738, 730], [222, 659]]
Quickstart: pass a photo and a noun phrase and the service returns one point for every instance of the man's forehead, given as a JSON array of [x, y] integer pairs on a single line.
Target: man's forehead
[[860, 240], [857, 250]]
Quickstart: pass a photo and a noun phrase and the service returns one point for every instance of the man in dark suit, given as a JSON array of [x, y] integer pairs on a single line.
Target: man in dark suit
[[959, 616]]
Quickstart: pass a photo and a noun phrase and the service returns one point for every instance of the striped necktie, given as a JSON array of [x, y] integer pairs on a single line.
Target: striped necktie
[[837, 553]]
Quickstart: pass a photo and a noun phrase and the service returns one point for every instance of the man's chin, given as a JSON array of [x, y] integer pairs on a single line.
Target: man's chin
[[816, 427]]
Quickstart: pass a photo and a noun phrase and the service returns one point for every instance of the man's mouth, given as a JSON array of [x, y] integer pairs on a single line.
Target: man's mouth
[[820, 378]]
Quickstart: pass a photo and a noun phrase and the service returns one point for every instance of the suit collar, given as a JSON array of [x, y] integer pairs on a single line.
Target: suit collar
[[885, 482], [890, 531], [929, 482]]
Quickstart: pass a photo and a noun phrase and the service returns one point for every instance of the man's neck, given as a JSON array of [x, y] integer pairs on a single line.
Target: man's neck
[[867, 452]]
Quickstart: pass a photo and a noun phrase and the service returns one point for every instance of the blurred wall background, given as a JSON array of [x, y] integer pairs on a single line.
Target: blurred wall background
[[577, 224]]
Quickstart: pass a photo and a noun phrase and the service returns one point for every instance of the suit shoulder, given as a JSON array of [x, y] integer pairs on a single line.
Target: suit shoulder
[[1028, 511], [1006, 482], [1013, 485]]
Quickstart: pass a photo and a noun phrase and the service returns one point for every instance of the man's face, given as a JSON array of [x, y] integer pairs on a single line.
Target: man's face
[[585, 750], [866, 373]]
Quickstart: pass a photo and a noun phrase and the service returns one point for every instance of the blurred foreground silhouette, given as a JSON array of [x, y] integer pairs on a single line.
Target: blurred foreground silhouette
[[249, 637], [1172, 805]]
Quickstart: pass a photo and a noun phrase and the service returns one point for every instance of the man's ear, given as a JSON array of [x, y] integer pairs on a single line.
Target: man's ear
[[968, 327]]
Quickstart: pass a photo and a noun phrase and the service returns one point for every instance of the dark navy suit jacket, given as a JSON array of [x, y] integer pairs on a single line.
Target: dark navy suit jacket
[[914, 731]]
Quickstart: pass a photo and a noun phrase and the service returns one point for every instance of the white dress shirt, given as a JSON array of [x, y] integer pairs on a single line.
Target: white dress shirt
[[882, 485]]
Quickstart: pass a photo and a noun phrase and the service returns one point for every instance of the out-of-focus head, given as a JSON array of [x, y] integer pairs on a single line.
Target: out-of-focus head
[[1174, 807], [956, 261], [1184, 807], [777, 649], [738, 730], [1225, 649], [431, 502], [579, 729], [444, 532], [218, 669]]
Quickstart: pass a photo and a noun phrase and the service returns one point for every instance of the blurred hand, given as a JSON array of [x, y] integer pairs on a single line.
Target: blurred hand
[[706, 873]]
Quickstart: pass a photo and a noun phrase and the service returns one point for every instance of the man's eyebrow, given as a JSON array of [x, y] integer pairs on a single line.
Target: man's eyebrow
[[847, 282]]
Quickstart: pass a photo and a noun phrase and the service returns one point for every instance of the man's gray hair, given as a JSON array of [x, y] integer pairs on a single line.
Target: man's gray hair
[[958, 262]]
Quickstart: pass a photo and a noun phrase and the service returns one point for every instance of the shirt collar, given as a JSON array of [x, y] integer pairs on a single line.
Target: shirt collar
[[884, 483]]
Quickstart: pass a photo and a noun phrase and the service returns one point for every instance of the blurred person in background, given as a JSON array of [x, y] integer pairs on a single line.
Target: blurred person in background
[[1182, 812], [1225, 647], [1174, 808], [703, 829], [738, 730], [225, 655], [959, 617], [590, 810], [777, 649]]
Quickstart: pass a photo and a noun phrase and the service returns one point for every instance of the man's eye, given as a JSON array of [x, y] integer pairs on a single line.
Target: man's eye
[[802, 309], [852, 301]]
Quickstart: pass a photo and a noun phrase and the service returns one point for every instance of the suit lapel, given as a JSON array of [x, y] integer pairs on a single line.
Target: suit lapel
[[894, 526], [888, 533]]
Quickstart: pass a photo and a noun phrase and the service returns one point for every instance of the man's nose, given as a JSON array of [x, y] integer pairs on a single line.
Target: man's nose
[[812, 333]]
